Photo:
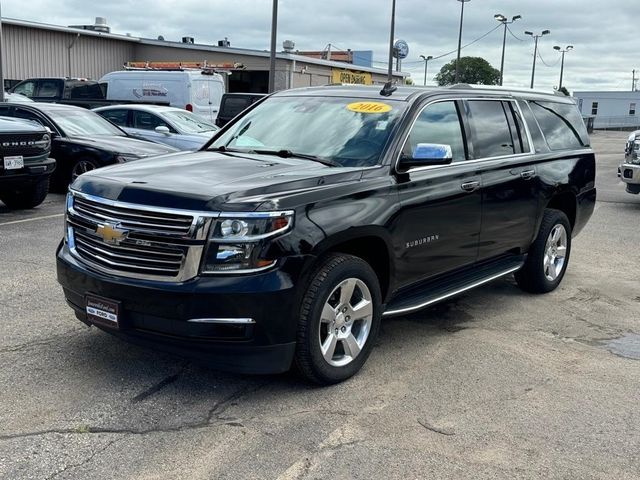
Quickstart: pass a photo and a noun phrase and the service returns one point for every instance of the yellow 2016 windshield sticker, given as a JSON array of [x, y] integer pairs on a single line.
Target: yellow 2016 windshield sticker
[[369, 107]]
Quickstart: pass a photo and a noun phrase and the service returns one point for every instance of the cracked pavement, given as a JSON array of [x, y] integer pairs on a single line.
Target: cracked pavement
[[493, 384]]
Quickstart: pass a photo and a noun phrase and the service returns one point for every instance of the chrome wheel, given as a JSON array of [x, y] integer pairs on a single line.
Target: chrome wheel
[[345, 322], [83, 166], [555, 252]]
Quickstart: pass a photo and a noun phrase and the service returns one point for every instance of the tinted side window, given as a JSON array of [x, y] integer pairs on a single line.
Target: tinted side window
[[490, 131], [520, 134], [147, 121], [232, 106], [91, 91], [119, 117], [49, 89], [438, 123], [561, 125], [538, 140]]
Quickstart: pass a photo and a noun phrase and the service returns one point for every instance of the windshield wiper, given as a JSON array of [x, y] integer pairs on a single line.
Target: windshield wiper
[[222, 148], [290, 154]]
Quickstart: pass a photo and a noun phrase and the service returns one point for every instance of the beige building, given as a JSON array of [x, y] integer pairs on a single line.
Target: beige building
[[32, 49]]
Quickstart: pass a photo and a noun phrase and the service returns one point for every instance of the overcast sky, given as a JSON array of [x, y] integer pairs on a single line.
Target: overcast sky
[[604, 33]]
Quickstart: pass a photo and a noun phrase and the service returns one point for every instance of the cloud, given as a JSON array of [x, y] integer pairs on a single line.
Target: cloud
[[603, 33]]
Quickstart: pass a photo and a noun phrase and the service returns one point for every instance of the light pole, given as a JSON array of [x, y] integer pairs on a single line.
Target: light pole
[[426, 62], [272, 56], [502, 19], [568, 48], [391, 37], [535, 51], [460, 39]]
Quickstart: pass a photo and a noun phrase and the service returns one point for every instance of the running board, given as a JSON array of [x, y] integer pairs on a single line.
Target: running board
[[445, 287]]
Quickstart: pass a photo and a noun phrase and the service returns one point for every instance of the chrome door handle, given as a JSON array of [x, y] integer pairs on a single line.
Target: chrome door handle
[[528, 174], [470, 186]]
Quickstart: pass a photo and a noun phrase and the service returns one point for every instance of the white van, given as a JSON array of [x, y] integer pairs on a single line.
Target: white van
[[192, 90]]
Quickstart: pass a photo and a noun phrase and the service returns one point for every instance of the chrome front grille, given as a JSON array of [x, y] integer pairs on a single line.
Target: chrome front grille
[[142, 242], [142, 221]]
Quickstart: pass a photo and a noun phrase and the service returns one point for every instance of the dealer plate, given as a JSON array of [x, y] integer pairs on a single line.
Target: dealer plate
[[103, 311], [13, 163]]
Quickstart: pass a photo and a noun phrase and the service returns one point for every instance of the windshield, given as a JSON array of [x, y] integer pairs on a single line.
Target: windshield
[[187, 122], [349, 132], [83, 122]]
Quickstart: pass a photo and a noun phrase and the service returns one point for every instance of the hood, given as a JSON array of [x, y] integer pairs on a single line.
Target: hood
[[211, 181], [13, 125], [124, 145]]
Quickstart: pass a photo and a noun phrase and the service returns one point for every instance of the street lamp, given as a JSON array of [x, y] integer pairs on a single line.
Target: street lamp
[[460, 39], [568, 48], [426, 62], [502, 19], [535, 51]]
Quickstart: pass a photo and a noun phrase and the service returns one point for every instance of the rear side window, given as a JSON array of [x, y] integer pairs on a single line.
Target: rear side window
[[49, 89], [91, 91], [232, 106], [538, 141], [147, 121], [490, 130], [561, 125]]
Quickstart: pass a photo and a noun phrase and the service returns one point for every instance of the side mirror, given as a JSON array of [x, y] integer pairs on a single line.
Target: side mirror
[[425, 154], [51, 133], [163, 129]]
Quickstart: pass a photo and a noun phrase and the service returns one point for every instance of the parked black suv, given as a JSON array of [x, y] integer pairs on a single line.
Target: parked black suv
[[232, 104], [25, 166], [320, 210]]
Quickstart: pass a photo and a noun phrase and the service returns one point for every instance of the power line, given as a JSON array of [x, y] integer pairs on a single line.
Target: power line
[[514, 35], [545, 63]]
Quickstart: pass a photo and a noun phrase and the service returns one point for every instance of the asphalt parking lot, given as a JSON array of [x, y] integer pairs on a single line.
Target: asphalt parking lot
[[493, 384]]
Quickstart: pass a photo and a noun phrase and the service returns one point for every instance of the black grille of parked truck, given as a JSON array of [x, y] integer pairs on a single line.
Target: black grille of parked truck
[[25, 166], [318, 211]]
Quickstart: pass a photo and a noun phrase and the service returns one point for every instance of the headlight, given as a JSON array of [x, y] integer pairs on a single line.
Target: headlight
[[237, 241], [122, 158]]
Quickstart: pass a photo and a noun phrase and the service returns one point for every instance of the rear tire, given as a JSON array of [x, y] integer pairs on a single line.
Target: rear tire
[[548, 256], [339, 320], [26, 197]]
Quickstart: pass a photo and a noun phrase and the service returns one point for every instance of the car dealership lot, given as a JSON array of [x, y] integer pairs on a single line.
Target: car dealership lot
[[495, 383]]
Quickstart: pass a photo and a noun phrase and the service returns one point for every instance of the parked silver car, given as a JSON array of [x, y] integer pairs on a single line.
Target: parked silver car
[[172, 126]]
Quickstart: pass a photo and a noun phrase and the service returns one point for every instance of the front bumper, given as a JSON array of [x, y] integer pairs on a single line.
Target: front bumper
[[630, 174], [162, 314], [29, 175]]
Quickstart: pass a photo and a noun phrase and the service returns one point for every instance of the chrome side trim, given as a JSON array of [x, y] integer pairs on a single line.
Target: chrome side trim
[[413, 308], [233, 321]]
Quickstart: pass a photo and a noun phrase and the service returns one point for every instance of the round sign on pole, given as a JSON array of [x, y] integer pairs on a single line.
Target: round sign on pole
[[400, 49]]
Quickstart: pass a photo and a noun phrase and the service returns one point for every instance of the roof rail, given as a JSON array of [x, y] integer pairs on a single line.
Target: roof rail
[[505, 89]]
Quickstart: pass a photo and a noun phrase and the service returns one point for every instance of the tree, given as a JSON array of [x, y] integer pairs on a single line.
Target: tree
[[473, 70], [408, 81]]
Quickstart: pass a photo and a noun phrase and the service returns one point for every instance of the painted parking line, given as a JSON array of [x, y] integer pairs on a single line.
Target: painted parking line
[[32, 219]]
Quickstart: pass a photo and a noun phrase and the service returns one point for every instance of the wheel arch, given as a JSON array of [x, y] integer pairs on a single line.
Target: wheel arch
[[372, 244], [567, 202]]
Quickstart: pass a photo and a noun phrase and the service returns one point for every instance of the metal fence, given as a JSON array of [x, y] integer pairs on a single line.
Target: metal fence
[[619, 122]]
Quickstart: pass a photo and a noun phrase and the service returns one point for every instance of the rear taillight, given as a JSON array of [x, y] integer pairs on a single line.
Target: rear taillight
[[189, 107]]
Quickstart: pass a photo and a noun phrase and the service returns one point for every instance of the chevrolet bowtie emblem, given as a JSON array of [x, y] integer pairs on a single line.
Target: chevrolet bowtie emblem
[[111, 234]]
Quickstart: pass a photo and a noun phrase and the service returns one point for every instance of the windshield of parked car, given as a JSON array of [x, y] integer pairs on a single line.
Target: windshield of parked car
[[187, 122], [80, 122], [349, 132]]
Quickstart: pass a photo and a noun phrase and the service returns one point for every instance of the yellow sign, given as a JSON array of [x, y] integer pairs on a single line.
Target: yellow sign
[[349, 76], [369, 107]]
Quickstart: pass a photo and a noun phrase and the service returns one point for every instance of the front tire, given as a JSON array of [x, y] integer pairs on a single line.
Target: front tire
[[548, 256], [26, 197], [339, 320]]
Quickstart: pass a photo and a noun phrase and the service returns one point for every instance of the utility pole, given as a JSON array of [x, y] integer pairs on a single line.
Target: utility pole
[[391, 35], [633, 81], [535, 51], [460, 40], [559, 49], [502, 19], [272, 59], [426, 62], [1, 71]]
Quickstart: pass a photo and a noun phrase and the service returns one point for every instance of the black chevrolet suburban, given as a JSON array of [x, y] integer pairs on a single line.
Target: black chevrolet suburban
[[317, 212], [25, 166]]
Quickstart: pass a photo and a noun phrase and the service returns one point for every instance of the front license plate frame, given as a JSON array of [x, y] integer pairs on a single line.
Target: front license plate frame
[[103, 311], [14, 162]]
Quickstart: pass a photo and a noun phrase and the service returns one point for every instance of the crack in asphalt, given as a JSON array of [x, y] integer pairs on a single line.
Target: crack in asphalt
[[213, 416], [160, 385], [85, 461], [441, 431]]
